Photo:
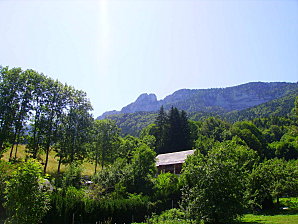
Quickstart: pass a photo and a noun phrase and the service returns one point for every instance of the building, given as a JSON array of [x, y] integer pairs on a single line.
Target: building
[[172, 162]]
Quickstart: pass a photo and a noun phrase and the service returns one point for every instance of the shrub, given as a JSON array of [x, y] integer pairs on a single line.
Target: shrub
[[26, 199]]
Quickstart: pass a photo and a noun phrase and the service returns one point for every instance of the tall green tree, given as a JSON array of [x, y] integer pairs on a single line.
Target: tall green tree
[[172, 132], [23, 110], [104, 142], [73, 128], [52, 110], [9, 90], [38, 82], [161, 130]]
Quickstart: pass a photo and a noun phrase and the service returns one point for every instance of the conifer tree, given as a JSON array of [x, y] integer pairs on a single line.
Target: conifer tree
[[161, 134], [172, 131]]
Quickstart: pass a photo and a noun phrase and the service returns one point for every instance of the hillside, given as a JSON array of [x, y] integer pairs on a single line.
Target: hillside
[[211, 100], [277, 107], [243, 102]]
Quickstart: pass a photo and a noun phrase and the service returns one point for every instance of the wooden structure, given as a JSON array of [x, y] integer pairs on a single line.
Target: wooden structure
[[172, 162]]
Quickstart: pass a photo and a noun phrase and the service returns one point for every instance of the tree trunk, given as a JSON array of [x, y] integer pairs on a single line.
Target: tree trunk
[[35, 141], [15, 154], [96, 161], [11, 151], [59, 165], [1, 145], [102, 163], [47, 159], [14, 141]]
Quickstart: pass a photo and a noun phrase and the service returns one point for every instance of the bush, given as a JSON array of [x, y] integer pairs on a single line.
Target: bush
[[26, 199], [76, 204], [172, 216], [72, 175]]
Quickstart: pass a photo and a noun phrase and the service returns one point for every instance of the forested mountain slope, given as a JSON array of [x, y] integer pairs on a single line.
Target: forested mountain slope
[[243, 102], [211, 100], [277, 107]]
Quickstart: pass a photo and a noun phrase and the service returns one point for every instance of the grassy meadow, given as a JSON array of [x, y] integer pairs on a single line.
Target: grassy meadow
[[271, 219], [286, 214], [88, 168]]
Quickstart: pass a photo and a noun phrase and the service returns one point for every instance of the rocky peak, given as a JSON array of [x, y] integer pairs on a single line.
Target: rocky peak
[[146, 98], [145, 102]]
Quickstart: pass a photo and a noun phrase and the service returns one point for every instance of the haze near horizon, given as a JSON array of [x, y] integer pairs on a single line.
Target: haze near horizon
[[117, 50]]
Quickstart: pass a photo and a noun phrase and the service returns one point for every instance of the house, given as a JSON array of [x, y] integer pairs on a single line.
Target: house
[[172, 162]]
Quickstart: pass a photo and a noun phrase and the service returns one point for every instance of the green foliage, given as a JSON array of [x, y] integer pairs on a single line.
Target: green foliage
[[271, 179], [27, 201], [215, 128], [214, 184], [45, 112], [296, 107], [67, 199], [73, 129], [103, 142], [204, 144], [166, 186], [110, 178], [14, 105], [142, 169], [274, 133], [132, 124], [161, 131], [72, 175], [282, 106], [127, 146], [6, 170], [172, 216], [251, 135], [172, 131], [133, 174], [76, 204]]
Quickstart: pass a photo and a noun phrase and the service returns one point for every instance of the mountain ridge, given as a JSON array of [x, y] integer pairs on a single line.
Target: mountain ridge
[[226, 99]]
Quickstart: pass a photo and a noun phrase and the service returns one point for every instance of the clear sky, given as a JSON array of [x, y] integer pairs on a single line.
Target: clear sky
[[116, 50]]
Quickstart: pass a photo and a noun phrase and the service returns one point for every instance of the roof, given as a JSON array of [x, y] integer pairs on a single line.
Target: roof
[[173, 157]]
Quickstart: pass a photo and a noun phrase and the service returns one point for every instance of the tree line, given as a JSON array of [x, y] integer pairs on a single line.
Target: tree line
[[43, 113]]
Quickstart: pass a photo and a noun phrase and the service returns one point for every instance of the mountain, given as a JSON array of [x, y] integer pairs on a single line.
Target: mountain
[[278, 107], [145, 102], [211, 100], [243, 102]]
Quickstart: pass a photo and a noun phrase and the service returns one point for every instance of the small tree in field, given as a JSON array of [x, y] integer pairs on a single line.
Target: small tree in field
[[27, 201]]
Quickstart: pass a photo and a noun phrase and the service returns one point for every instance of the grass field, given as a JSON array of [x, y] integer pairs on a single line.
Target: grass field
[[278, 216], [88, 168], [271, 219]]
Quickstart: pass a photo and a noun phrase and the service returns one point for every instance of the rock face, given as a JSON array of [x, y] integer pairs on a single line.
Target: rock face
[[145, 102], [211, 100]]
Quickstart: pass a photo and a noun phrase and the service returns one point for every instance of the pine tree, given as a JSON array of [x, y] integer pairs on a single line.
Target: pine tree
[[172, 131], [161, 134]]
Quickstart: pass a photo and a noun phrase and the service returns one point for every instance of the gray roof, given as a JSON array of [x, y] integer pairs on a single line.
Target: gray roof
[[173, 157]]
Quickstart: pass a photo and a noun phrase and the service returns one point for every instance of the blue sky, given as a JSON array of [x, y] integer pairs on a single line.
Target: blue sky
[[116, 50]]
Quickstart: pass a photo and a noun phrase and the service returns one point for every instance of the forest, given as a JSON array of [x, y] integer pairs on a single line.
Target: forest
[[239, 167]]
